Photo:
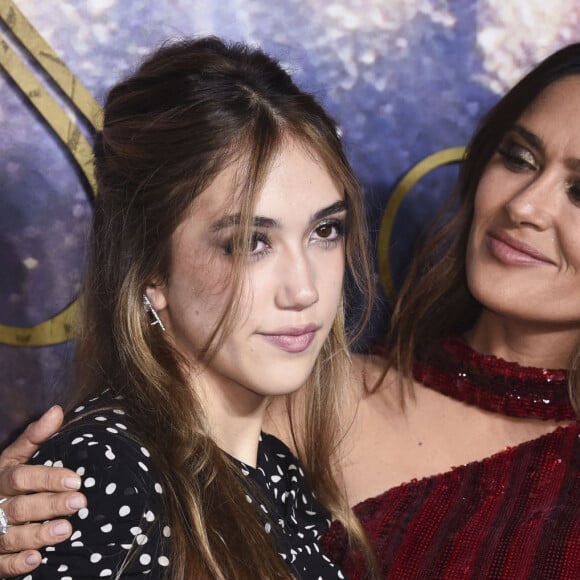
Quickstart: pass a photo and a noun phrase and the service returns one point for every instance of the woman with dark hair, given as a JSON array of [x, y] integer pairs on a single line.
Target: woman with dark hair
[[470, 420], [215, 281]]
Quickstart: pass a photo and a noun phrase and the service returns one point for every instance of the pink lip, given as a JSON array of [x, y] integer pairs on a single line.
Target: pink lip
[[292, 338], [511, 251]]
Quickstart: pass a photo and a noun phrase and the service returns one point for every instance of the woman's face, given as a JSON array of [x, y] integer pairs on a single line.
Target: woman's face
[[292, 285], [523, 255]]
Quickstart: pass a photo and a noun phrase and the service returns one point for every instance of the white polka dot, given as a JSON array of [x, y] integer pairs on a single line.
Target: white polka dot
[[106, 528], [163, 561], [83, 513], [112, 430], [110, 455], [158, 488], [76, 535], [268, 528], [143, 466], [96, 557], [79, 409], [121, 426], [110, 489], [141, 539], [62, 568], [57, 464], [100, 418], [48, 463], [89, 482], [149, 516], [136, 530], [106, 572], [145, 559], [167, 531], [124, 511], [145, 452], [77, 544]]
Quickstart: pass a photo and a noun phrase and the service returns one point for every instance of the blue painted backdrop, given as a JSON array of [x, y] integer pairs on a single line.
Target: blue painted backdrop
[[404, 78]]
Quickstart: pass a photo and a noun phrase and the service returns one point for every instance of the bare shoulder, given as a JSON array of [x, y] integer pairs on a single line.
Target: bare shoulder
[[373, 378]]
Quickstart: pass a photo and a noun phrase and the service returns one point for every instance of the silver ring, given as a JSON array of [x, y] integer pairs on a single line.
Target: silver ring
[[3, 519]]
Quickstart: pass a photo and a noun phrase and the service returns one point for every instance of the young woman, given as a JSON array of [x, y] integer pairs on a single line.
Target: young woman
[[469, 423], [215, 281]]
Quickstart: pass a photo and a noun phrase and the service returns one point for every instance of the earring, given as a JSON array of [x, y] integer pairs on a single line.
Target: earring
[[149, 308]]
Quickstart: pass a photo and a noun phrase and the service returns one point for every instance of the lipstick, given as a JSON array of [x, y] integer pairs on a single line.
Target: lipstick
[[510, 251], [293, 339]]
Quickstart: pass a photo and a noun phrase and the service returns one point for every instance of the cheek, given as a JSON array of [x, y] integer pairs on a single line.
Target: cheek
[[330, 275]]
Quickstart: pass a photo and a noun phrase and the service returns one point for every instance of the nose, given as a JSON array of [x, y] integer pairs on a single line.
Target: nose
[[296, 284], [533, 204]]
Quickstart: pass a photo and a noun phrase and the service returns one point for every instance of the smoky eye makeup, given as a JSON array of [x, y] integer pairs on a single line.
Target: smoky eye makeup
[[517, 156]]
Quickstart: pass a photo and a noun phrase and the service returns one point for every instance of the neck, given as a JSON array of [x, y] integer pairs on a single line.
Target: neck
[[235, 415], [528, 344]]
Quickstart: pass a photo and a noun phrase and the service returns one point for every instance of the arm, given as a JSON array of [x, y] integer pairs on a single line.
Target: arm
[[36, 493]]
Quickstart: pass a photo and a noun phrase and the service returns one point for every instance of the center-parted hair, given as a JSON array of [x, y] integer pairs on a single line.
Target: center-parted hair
[[191, 109]]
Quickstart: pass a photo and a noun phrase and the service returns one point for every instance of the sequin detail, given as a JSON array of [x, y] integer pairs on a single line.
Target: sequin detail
[[494, 384]]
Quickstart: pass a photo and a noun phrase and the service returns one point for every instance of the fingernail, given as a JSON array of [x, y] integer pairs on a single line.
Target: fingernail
[[32, 559], [72, 482], [60, 529], [76, 503]]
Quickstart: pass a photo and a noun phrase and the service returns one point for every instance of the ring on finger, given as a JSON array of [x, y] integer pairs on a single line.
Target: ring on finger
[[3, 519]]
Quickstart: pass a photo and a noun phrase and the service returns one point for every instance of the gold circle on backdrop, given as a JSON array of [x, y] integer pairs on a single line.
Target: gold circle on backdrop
[[59, 328], [439, 159]]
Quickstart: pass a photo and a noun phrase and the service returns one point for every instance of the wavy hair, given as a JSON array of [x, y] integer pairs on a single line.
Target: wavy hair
[[188, 111]]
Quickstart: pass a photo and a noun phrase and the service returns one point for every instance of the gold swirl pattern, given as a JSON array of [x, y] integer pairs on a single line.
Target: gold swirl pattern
[[443, 157], [59, 328]]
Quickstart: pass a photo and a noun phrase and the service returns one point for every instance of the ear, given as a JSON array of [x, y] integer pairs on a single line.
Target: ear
[[157, 296]]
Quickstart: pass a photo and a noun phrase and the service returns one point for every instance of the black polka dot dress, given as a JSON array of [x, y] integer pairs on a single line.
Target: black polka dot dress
[[291, 512], [124, 533]]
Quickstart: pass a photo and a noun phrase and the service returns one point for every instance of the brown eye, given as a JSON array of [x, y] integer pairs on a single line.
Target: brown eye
[[325, 231]]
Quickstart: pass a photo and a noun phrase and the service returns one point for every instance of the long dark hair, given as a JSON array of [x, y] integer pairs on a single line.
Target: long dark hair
[[435, 300], [189, 110]]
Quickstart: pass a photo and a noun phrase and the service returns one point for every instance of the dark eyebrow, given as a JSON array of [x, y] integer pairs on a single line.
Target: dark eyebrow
[[264, 222], [235, 219], [530, 137], [535, 141], [330, 210]]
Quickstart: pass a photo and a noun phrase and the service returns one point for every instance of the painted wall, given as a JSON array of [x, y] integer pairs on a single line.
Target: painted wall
[[404, 78]]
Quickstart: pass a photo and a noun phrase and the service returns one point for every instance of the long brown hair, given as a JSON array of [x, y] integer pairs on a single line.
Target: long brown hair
[[189, 110], [435, 300]]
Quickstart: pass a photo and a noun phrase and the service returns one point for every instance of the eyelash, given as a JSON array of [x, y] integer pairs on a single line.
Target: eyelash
[[517, 158], [514, 158], [259, 237]]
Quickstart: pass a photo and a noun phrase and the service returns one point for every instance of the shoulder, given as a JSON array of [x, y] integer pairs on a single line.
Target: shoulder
[[124, 526], [100, 443]]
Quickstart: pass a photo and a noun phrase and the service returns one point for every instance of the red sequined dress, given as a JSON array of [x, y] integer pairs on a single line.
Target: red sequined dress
[[514, 515]]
